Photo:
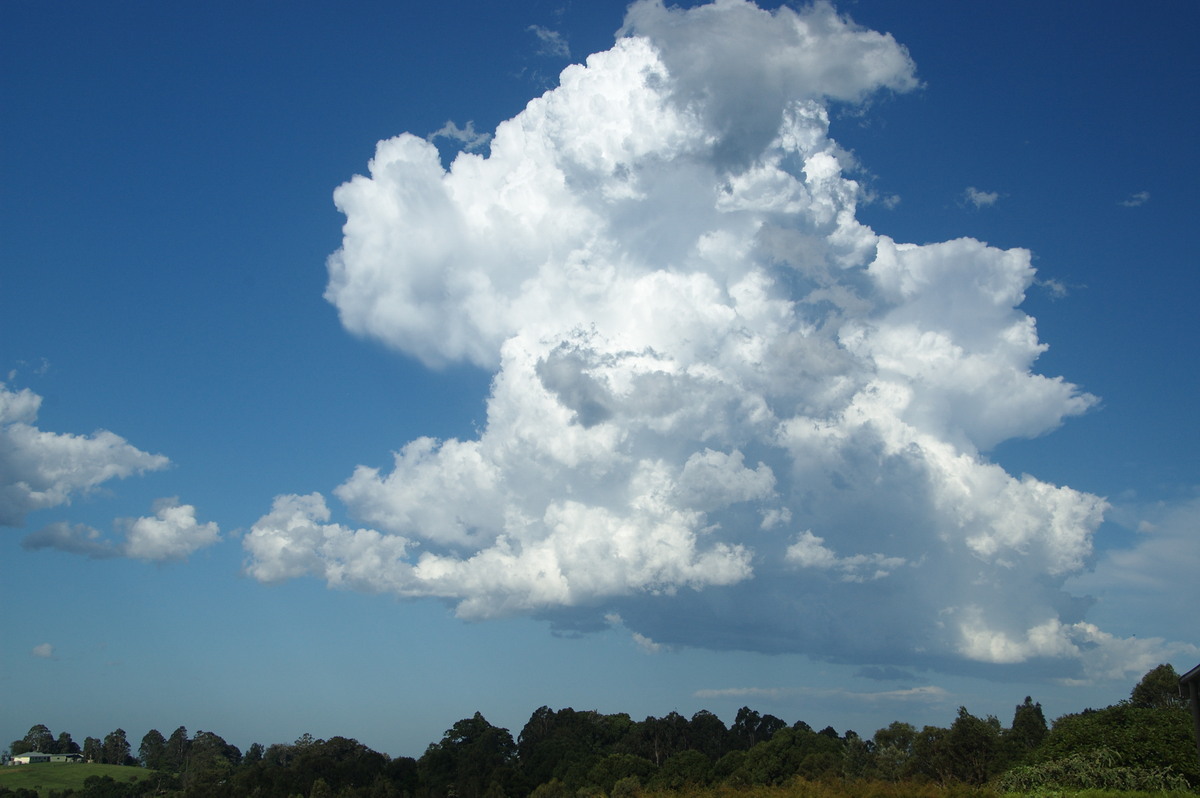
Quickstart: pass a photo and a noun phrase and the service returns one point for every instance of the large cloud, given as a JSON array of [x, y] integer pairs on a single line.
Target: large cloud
[[41, 469], [722, 407]]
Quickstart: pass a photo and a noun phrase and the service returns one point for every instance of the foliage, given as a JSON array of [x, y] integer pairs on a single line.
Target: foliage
[[1158, 689], [1097, 769], [153, 751], [564, 745], [749, 728], [684, 769], [38, 738], [972, 747], [1137, 736], [1142, 744], [470, 757], [1027, 732], [115, 749], [893, 754]]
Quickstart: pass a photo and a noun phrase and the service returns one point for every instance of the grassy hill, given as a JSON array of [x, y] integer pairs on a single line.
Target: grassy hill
[[61, 775]]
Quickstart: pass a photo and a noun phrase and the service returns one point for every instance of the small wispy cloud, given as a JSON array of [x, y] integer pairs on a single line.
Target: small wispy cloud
[[467, 137], [1135, 200], [646, 644], [979, 198], [550, 42], [43, 651], [1057, 289]]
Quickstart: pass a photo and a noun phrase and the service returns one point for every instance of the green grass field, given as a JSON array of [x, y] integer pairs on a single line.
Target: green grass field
[[61, 775]]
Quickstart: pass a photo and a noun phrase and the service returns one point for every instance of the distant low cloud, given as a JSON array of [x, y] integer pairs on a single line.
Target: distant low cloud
[[1161, 559], [723, 408], [885, 674], [551, 42], [43, 651], [73, 539], [40, 469], [980, 199], [928, 693], [772, 693], [1135, 200], [172, 533]]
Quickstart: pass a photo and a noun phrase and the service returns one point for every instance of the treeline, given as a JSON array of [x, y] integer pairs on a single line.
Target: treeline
[[1145, 743]]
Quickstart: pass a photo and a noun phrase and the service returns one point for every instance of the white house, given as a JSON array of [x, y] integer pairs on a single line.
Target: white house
[[34, 757]]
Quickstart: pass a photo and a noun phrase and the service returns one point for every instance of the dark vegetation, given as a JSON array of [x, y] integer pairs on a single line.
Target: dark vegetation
[[1144, 744]]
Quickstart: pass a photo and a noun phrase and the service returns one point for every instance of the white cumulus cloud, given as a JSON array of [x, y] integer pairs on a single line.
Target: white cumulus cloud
[[722, 407], [40, 469], [172, 533]]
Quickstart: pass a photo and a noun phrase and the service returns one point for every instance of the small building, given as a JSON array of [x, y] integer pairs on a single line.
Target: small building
[[30, 758], [35, 757], [1189, 690]]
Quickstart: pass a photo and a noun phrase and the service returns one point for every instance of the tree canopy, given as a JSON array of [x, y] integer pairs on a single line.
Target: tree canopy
[[1143, 743]]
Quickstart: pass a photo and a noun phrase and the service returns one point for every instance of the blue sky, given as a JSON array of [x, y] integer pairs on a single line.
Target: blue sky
[[682, 420]]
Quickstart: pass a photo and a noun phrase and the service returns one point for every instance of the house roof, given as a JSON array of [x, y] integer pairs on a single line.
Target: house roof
[[1191, 676]]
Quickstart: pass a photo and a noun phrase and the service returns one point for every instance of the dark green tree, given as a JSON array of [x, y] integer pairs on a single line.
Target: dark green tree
[[254, 754], [798, 751], [1028, 729], [972, 747], [153, 751], [566, 744], [209, 764], [344, 763], [656, 739], [115, 750], [65, 745], [470, 756], [894, 750], [402, 772], [931, 755], [93, 750], [38, 739], [609, 770], [682, 770], [1135, 736], [708, 734], [177, 749], [858, 757], [750, 728], [1158, 689]]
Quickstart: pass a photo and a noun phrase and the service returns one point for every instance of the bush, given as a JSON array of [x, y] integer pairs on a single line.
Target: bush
[[1098, 769]]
